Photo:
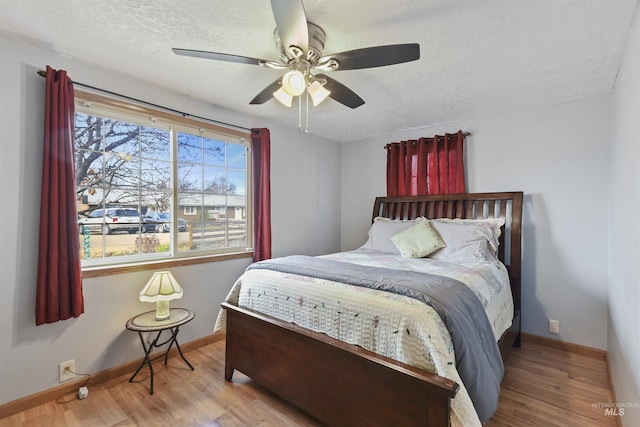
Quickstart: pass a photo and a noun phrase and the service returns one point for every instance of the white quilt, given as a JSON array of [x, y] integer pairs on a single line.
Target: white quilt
[[392, 325]]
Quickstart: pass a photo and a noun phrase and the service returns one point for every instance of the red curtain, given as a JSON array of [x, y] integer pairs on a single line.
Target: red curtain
[[261, 149], [426, 166], [59, 283]]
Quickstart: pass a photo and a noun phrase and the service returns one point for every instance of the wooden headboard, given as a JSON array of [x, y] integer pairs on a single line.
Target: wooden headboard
[[507, 205]]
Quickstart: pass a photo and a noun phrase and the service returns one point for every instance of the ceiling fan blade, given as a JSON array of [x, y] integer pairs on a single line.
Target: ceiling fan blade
[[377, 56], [340, 92], [291, 22], [267, 93], [218, 56]]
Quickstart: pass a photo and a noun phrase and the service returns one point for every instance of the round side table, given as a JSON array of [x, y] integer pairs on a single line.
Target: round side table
[[146, 322]]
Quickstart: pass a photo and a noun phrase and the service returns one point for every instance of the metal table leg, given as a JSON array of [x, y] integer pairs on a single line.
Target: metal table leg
[[154, 344]]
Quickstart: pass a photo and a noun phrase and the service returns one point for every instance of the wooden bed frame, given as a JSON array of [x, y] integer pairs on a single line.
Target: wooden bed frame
[[345, 385]]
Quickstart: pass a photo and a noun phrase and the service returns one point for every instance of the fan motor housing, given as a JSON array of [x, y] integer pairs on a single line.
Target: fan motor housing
[[317, 38]]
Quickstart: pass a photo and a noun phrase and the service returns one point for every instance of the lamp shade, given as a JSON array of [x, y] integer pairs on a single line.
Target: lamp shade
[[294, 83], [317, 92], [282, 96], [161, 287]]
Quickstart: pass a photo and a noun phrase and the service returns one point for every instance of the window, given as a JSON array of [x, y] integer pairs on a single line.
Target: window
[[152, 186]]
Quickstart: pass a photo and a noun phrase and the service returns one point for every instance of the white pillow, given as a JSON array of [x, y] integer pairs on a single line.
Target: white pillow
[[418, 241], [383, 229], [465, 241], [493, 230]]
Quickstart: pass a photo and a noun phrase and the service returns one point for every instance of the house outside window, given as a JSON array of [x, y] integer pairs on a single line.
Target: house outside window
[[153, 186]]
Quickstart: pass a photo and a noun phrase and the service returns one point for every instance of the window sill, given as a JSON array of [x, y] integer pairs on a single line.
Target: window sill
[[90, 272]]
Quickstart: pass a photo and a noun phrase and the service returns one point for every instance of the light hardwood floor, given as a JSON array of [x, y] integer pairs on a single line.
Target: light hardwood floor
[[543, 386]]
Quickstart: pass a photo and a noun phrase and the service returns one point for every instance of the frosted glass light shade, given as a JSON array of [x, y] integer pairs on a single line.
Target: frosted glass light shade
[[161, 288], [318, 93], [294, 83], [283, 97]]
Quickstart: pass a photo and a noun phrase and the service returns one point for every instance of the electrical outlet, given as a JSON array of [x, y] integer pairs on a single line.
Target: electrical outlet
[[67, 370], [554, 326]]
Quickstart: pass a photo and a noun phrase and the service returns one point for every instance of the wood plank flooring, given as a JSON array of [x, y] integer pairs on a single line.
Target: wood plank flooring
[[543, 386]]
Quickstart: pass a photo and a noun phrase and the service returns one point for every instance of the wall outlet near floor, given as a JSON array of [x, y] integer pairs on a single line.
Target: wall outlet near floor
[[67, 370], [554, 326]]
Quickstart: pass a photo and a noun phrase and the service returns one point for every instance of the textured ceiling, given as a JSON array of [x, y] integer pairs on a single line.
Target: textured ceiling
[[478, 58]]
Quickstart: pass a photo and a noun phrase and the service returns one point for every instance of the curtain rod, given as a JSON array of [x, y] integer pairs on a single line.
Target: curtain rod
[[43, 73], [464, 134]]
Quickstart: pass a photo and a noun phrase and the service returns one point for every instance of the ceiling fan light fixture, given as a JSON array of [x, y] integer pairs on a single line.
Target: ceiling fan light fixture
[[294, 83], [282, 96], [317, 92], [300, 45]]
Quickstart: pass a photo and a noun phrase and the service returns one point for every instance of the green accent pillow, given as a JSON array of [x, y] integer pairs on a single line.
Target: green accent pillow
[[418, 241]]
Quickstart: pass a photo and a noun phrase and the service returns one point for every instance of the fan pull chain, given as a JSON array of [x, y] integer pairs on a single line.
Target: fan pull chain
[[306, 113], [306, 129], [299, 114]]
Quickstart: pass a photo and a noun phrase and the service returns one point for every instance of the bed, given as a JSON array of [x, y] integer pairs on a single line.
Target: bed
[[319, 367]]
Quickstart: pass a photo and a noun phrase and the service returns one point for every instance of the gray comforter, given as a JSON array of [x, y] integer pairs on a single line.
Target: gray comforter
[[478, 358]]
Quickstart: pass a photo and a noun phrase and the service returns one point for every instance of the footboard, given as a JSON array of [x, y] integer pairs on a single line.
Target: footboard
[[337, 383]]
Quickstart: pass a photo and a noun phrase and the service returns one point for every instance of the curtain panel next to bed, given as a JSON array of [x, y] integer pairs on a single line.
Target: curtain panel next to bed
[[426, 166]]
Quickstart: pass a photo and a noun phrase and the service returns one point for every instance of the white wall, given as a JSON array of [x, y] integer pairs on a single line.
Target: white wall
[[559, 157], [624, 228], [305, 186]]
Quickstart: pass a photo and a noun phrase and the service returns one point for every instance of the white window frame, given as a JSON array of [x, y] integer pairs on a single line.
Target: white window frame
[[94, 104]]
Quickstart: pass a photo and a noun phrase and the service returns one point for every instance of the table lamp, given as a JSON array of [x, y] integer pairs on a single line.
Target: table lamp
[[161, 288]]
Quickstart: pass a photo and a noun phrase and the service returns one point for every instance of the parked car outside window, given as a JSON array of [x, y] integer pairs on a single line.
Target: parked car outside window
[[108, 220], [160, 222]]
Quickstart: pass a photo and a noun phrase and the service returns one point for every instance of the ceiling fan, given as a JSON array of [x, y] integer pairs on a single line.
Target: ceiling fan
[[301, 44]]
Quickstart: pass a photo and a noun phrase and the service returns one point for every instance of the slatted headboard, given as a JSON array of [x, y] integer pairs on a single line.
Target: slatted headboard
[[507, 205]]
